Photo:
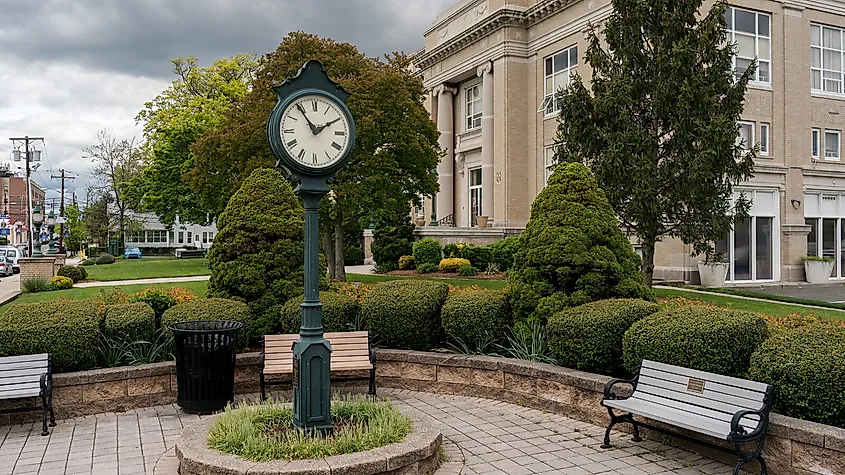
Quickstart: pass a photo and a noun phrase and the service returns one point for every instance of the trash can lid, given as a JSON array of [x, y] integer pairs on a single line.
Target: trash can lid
[[204, 326]]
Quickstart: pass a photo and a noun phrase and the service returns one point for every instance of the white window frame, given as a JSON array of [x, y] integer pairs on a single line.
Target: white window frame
[[473, 108], [764, 138], [732, 32], [775, 216], [838, 155], [550, 106], [752, 143], [470, 189], [816, 143], [548, 163], [823, 72]]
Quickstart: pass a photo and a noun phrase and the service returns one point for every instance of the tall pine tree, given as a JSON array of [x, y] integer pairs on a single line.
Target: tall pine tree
[[658, 126]]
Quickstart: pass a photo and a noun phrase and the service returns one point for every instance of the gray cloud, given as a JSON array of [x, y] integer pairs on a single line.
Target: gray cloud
[[71, 67]]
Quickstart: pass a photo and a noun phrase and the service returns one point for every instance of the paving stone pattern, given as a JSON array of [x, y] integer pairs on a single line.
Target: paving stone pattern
[[481, 437]]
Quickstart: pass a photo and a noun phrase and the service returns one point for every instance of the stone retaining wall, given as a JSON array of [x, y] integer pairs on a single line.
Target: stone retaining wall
[[792, 447]]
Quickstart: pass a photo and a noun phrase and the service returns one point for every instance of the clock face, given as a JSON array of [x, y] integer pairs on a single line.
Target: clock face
[[315, 131]]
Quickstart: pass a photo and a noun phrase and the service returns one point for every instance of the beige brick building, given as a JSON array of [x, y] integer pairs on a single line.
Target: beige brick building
[[493, 65]]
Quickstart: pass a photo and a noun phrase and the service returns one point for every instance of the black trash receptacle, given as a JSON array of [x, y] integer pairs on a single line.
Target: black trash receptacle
[[205, 364]]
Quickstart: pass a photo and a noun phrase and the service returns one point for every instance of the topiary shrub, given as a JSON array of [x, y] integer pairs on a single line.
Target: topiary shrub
[[589, 337], [157, 299], [427, 268], [573, 250], [452, 250], [61, 283], [467, 271], [75, 273], [478, 256], [702, 337], [67, 329], [453, 264], [405, 313], [339, 313], [806, 366], [129, 322], [427, 251], [504, 252], [104, 259], [88, 262], [214, 309], [476, 316], [392, 241], [258, 253], [407, 263]]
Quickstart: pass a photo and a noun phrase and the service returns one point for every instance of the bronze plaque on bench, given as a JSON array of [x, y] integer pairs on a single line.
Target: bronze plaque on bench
[[695, 386]]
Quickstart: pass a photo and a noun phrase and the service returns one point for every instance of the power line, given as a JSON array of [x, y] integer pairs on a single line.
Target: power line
[[28, 156]]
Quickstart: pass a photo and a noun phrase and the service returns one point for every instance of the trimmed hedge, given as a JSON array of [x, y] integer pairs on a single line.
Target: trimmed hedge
[[453, 264], [61, 283], [478, 256], [427, 268], [707, 338], [213, 309], [104, 259], [339, 311], [131, 321], [75, 273], [427, 251], [405, 313], [157, 299], [88, 262], [407, 263], [476, 316], [589, 337], [68, 329], [806, 366], [504, 252]]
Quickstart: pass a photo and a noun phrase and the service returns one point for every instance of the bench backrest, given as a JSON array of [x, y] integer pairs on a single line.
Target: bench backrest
[[707, 394], [22, 374], [350, 350]]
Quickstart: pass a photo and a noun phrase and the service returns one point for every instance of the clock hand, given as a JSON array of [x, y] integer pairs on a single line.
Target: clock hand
[[313, 127], [322, 127]]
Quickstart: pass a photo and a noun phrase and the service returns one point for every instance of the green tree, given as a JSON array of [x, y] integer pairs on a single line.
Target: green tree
[[195, 102], [396, 150], [258, 254], [75, 227], [573, 251], [663, 106], [96, 221]]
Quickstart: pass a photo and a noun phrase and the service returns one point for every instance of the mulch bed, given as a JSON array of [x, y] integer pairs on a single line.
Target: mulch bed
[[447, 275]]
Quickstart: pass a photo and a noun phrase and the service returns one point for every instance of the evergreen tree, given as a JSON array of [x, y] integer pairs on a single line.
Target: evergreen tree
[[658, 126]]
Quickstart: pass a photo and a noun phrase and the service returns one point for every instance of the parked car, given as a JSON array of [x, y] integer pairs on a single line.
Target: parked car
[[132, 252], [6, 268], [12, 254]]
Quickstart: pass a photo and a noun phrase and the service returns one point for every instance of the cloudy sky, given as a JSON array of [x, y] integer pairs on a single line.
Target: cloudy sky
[[71, 67]]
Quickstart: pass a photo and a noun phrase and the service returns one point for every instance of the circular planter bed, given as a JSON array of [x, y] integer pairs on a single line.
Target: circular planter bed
[[417, 454]]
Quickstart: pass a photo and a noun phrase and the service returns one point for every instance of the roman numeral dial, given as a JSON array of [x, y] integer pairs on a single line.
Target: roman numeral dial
[[315, 131]]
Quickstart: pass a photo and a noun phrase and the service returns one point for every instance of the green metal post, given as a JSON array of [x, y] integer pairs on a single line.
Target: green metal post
[[36, 231]]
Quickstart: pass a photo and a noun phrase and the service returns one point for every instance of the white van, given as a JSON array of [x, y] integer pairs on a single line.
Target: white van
[[12, 254]]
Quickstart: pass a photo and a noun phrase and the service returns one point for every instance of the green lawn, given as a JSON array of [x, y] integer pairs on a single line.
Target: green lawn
[[770, 308], [373, 278], [92, 292], [148, 268]]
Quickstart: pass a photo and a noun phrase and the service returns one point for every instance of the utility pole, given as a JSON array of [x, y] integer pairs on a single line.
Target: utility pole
[[62, 207], [29, 156]]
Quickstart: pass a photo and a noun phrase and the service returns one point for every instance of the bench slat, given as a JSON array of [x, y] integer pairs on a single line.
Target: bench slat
[[32, 372], [16, 359], [712, 389], [18, 380], [716, 417], [287, 369], [673, 417], [725, 402], [685, 397], [31, 367], [20, 390], [744, 384]]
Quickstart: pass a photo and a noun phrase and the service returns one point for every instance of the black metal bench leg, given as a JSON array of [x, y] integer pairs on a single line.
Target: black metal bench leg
[[637, 437], [613, 421], [261, 383], [52, 414], [372, 391], [46, 412]]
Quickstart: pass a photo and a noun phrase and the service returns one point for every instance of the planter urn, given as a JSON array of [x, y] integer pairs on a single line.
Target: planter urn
[[420, 222], [713, 274], [818, 272], [481, 221]]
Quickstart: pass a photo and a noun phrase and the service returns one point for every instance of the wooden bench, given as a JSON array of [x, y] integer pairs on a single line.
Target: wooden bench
[[730, 409], [351, 351], [28, 376]]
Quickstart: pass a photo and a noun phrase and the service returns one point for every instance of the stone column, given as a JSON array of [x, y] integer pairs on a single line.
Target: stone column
[[486, 72], [446, 167]]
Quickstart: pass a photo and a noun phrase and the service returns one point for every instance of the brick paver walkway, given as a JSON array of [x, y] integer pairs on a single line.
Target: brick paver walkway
[[481, 437]]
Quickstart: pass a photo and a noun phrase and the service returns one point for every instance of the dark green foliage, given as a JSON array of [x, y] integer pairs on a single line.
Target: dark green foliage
[[427, 268], [104, 259], [88, 262], [451, 250], [478, 256], [129, 322], [589, 337], [427, 251], [215, 309], [407, 263], [339, 313], [658, 122], [476, 316], [573, 251], [706, 338], [504, 251], [467, 271], [258, 253], [392, 241], [353, 255], [385, 267], [405, 313], [67, 329], [157, 299], [76, 274], [806, 366]]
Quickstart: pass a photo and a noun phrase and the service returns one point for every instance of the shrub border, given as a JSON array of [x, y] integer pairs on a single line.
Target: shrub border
[[419, 453]]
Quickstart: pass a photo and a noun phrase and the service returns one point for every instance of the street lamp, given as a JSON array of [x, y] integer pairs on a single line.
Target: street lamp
[[37, 221], [51, 228]]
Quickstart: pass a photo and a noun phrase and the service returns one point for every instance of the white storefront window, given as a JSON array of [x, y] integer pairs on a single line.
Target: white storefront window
[[752, 247], [825, 214]]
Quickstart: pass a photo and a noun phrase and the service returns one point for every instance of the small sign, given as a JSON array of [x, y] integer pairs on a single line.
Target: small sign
[[695, 386], [295, 378]]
